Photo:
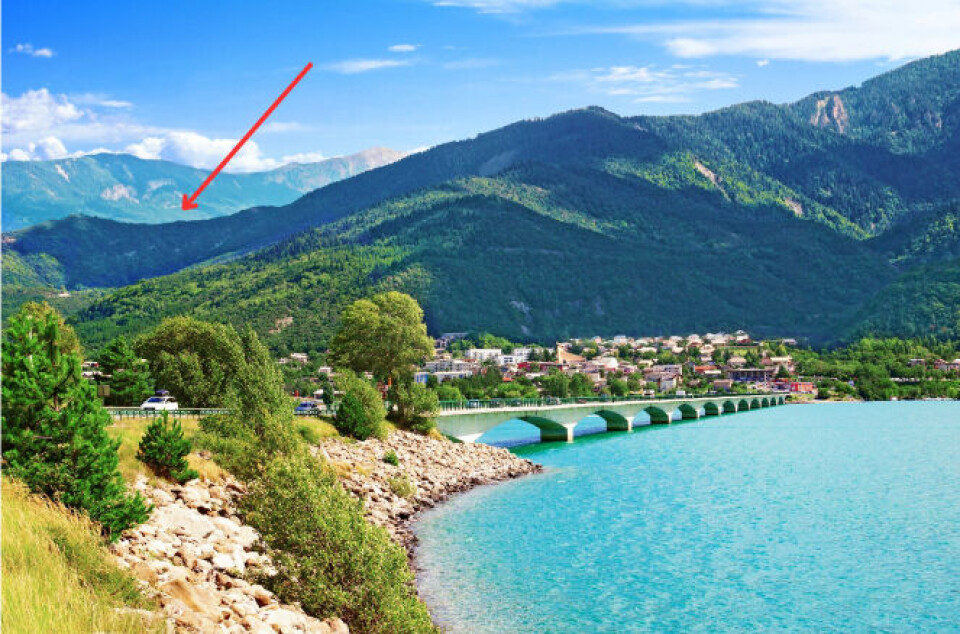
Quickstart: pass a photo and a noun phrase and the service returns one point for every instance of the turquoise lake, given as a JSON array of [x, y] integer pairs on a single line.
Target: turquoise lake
[[834, 517]]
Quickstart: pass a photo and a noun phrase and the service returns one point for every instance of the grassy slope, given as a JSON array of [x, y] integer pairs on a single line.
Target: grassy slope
[[57, 576]]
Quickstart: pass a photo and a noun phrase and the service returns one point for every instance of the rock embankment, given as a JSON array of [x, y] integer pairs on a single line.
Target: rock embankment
[[428, 471], [194, 553]]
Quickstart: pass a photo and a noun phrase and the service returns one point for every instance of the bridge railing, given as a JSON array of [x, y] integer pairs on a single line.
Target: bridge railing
[[548, 401]]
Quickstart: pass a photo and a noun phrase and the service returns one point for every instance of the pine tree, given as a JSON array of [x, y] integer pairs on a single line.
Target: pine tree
[[130, 381], [53, 429]]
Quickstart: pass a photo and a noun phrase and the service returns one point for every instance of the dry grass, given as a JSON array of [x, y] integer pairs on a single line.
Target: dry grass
[[57, 575], [130, 430]]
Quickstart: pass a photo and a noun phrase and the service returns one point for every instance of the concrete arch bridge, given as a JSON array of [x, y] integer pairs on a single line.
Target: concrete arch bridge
[[556, 418]]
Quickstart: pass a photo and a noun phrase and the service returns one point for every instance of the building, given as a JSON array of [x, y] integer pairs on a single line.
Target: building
[[483, 354], [803, 387], [751, 375]]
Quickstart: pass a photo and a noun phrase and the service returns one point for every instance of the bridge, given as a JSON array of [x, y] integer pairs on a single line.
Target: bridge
[[556, 418]]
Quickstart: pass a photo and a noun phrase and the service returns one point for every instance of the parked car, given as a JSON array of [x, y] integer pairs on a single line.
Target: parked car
[[161, 401], [307, 407]]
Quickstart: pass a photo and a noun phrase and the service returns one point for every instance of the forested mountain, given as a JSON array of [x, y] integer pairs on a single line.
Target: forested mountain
[[777, 218], [124, 187]]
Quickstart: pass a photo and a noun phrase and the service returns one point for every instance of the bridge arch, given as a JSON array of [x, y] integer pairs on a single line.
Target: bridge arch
[[615, 421], [711, 408], [729, 407], [688, 411], [549, 430], [658, 415], [764, 402], [755, 403]]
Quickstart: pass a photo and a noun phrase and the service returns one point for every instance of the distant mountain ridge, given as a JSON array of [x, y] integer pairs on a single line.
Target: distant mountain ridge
[[783, 219], [126, 188]]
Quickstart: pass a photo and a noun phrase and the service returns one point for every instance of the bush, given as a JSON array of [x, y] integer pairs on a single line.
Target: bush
[[164, 449], [328, 557], [361, 411], [415, 407], [54, 426], [401, 486], [391, 458]]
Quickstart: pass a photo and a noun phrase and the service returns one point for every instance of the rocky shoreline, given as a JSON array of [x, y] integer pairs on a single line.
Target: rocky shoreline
[[193, 554], [428, 471]]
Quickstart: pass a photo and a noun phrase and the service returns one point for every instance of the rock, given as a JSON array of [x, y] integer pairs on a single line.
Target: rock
[[194, 596], [285, 621]]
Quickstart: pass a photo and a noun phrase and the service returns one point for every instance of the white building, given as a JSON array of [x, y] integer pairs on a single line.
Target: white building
[[483, 354]]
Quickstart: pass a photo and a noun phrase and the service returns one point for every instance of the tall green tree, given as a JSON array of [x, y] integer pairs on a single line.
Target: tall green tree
[[130, 381], [384, 335], [54, 426], [197, 361]]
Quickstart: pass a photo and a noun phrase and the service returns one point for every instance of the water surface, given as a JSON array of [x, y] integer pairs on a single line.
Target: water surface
[[838, 517]]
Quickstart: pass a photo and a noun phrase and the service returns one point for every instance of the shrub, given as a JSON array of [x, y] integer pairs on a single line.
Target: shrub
[[361, 411], [54, 426], [391, 458], [164, 449], [401, 486], [310, 435], [328, 557], [415, 407]]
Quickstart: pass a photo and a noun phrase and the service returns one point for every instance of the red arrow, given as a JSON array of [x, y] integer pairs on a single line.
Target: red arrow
[[188, 202]]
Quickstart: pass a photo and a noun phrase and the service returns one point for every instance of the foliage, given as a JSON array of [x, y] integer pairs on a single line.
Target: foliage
[[391, 458], [415, 406], [329, 559], [384, 335], [57, 577], [130, 381], [401, 486], [361, 412], [54, 436], [164, 449]]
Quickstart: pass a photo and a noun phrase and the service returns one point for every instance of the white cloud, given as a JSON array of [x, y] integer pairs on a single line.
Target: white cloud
[[304, 157], [354, 66], [197, 150], [648, 84], [280, 127], [28, 49], [812, 30], [40, 125], [497, 6], [403, 48], [763, 62]]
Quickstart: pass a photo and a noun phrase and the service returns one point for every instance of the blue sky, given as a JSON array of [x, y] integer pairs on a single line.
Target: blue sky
[[183, 80]]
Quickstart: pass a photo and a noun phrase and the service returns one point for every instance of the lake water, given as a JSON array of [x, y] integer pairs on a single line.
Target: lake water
[[835, 517]]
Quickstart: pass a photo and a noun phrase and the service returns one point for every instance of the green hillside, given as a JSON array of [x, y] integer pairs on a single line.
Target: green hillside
[[779, 219], [123, 187]]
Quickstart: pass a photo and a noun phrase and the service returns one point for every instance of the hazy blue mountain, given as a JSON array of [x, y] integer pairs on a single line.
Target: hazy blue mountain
[[123, 187]]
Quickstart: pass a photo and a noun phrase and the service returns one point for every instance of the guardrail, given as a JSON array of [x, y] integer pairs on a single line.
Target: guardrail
[[497, 403], [136, 412]]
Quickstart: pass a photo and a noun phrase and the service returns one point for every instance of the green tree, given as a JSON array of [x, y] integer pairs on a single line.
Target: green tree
[[618, 387], [364, 413], [196, 360], [447, 392], [556, 384], [415, 406], [54, 426], [384, 335], [130, 381], [164, 449]]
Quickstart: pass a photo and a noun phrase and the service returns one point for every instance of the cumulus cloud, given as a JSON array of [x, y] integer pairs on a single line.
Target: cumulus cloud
[[354, 66], [197, 150], [40, 125], [28, 49], [812, 30], [403, 48], [648, 84]]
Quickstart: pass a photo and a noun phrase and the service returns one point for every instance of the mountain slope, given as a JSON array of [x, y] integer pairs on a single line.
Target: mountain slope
[[758, 216], [126, 188], [533, 253]]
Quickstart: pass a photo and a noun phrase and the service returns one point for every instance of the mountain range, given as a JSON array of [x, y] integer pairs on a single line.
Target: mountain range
[[126, 188], [829, 217]]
